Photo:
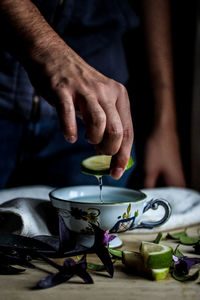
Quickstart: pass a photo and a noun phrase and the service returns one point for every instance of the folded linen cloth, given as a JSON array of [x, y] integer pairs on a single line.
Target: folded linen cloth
[[28, 211]]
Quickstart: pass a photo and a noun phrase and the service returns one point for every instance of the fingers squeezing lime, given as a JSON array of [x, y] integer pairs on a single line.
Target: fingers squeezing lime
[[99, 165]]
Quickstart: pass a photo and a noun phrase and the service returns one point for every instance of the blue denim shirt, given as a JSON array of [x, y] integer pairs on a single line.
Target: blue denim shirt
[[93, 28]]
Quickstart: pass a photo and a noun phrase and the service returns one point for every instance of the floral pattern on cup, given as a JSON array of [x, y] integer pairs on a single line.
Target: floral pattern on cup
[[127, 222], [91, 215]]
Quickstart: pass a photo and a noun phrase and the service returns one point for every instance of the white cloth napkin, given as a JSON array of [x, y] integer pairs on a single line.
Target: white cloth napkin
[[28, 211]]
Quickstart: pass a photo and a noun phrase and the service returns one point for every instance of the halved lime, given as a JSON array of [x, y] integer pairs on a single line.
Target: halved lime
[[156, 256], [99, 165]]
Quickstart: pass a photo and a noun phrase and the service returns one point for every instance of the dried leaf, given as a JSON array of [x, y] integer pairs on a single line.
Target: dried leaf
[[15, 259], [67, 271], [9, 241], [185, 277], [9, 270], [53, 280], [197, 248], [51, 241]]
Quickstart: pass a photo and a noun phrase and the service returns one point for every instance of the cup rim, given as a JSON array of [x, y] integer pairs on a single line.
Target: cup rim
[[52, 197]]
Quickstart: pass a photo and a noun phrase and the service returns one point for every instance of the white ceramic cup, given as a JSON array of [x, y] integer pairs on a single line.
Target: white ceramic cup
[[121, 210]]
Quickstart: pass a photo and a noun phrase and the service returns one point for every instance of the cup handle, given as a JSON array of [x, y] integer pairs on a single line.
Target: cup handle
[[153, 204]]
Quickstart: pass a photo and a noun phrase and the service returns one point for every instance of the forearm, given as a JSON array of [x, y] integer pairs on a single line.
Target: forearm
[[157, 31], [24, 31]]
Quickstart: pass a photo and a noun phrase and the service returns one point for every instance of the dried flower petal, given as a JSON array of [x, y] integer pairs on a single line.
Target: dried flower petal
[[191, 261], [185, 277], [175, 259], [101, 251], [9, 270], [15, 259], [53, 280], [197, 248], [66, 240], [184, 264], [108, 238], [67, 271]]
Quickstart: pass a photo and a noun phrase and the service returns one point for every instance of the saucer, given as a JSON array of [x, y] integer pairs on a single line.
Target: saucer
[[88, 241], [116, 242]]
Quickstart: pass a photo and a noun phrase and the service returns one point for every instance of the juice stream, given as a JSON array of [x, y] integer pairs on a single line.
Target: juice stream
[[100, 181]]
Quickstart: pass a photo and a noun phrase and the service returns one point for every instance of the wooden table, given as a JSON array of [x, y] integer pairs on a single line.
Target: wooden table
[[122, 286]]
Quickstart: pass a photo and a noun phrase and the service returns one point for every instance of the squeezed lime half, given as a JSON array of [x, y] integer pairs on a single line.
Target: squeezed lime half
[[99, 165], [156, 256]]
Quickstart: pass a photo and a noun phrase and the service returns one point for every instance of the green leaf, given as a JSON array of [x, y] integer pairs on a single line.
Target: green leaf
[[186, 240], [185, 277], [177, 235], [158, 238], [116, 253], [95, 267], [178, 253], [183, 238]]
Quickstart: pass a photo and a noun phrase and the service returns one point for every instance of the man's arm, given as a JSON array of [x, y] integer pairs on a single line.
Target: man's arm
[[69, 83], [162, 151]]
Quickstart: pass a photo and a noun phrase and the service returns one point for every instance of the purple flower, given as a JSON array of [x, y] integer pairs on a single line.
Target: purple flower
[[108, 238], [175, 259], [184, 264]]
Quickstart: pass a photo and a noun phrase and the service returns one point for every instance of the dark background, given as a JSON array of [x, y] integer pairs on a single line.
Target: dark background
[[139, 88]]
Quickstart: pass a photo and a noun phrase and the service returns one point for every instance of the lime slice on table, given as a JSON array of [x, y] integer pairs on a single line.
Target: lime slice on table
[[99, 165], [156, 256], [159, 274], [137, 263]]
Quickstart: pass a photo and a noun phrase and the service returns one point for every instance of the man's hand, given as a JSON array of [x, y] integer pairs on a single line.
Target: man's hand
[[68, 83], [162, 159]]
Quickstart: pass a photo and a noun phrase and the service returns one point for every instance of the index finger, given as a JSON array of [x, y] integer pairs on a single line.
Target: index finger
[[120, 160], [66, 113]]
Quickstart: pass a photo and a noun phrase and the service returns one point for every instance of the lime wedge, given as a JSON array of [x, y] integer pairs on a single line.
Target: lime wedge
[[134, 261], [99, 165], [156, 256], [159, 274]]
